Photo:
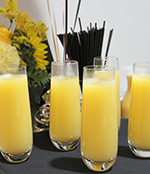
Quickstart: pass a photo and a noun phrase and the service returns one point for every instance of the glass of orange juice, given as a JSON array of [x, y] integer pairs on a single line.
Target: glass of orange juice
[[112, 61], [99, 131], [139, 117], [16, 136], [65, 119], [125, 104]]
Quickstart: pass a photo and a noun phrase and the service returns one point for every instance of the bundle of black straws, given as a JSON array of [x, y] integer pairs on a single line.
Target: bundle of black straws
[[83, 46]]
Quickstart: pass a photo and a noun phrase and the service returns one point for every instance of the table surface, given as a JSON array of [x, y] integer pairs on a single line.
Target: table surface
[[46, 159]]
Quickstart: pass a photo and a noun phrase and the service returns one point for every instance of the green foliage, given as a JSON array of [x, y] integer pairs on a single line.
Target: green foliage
[[37, 78], [35, 94]]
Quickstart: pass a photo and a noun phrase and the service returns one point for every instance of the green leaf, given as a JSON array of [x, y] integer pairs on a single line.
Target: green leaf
[[35, 93], [38, 77]]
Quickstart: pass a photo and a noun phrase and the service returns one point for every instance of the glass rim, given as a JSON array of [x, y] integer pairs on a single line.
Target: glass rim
[[8, 68], [13, 66], [13, 69], [62, 62], [106, 57], [144, 63], [98, 67]]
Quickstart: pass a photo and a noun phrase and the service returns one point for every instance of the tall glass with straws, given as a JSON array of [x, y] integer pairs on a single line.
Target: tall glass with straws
[[15, 117], [139, 117], [65, 119], [99, 132], [112, 61]]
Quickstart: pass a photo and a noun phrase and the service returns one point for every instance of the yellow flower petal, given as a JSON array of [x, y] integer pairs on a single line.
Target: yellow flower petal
[[11, 9], [5, 35], [3, 11]]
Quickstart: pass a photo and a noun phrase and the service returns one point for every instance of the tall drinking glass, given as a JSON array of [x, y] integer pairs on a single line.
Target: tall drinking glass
[[65, 119], [139, 117], [112, 61], [125, 104], [15, 117], [99, 132]]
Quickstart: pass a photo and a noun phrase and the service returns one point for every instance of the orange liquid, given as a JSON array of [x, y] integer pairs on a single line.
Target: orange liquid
[[139, 120], [99, 131], [106, 75], [15, 116], [65, 119], [125, 104], [118, 97]]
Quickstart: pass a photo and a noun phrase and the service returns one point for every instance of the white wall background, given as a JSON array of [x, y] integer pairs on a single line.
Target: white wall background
[[130, 20]]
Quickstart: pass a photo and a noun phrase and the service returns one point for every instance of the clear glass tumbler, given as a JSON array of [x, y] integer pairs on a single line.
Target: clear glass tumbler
[[139, 117], [112, 61], [65, 119], [99, 131], [16, 136]]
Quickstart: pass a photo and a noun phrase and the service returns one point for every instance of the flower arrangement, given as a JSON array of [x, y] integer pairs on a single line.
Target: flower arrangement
[[25, 45]]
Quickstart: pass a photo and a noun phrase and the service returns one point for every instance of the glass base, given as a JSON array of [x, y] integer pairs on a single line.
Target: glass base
[[16, 158], [98, 166], [139, 152], [65, 146]]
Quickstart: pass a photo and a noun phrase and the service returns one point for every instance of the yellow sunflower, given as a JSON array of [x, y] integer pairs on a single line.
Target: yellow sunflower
[[40, 52]]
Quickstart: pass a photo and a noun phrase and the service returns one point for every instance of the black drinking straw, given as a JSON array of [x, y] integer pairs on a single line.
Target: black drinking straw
[[81, 48], [80, 24], [109, 41], [76, 15], [101, 38], [72, 30], [108, 45], [66, 26], [95, 26], [96, 43]]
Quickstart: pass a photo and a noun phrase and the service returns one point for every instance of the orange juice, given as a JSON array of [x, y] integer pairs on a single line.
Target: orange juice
[[103, 74], [139, 120], [118, 97], [15, 116], [99, 133], [65, 109], [125, 104]]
